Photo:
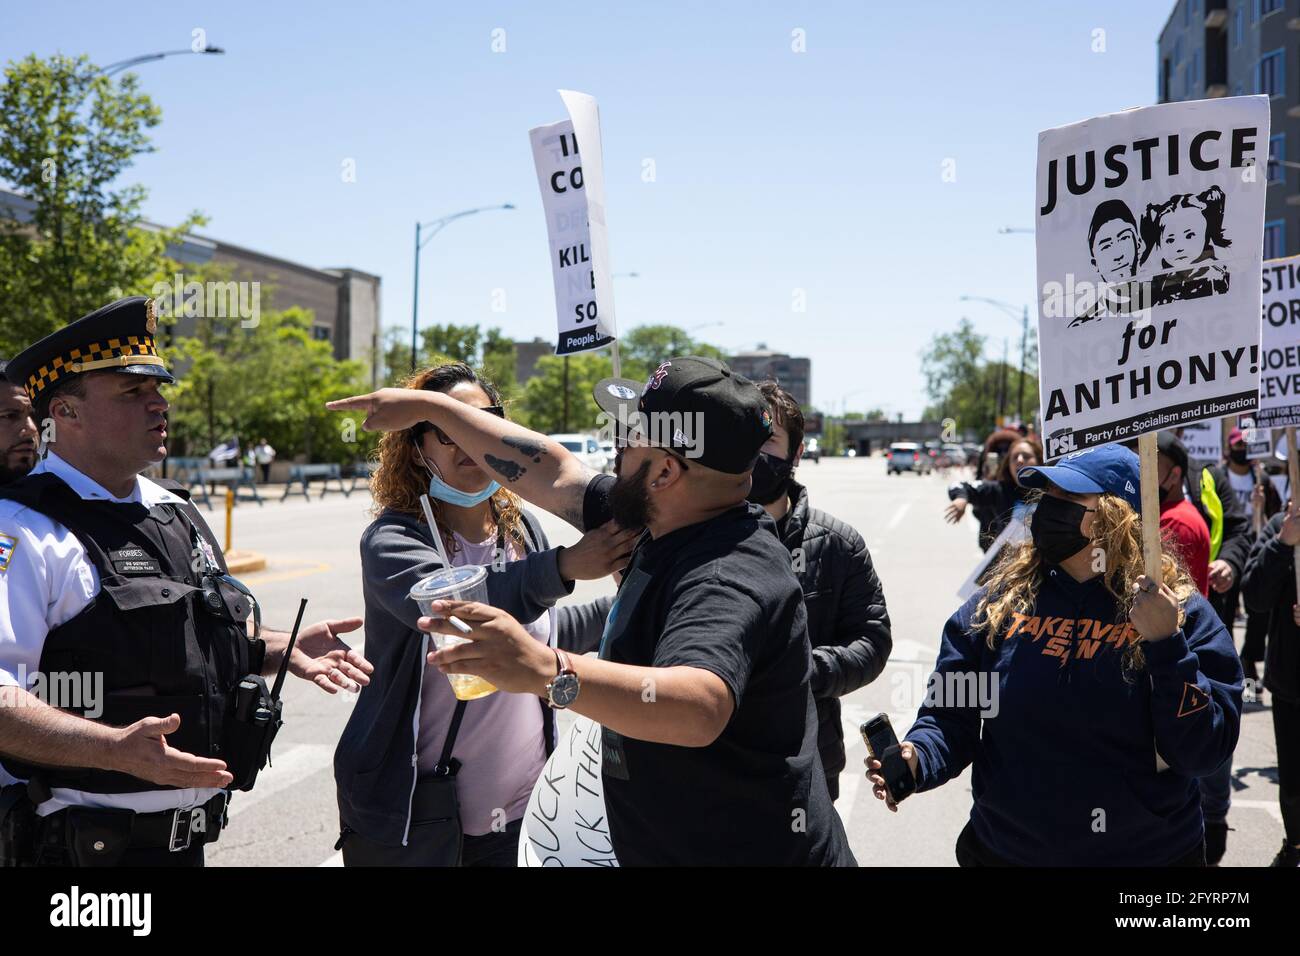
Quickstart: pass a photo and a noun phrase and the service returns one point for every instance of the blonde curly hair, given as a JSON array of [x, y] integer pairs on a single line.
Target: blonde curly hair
[[400, 480], [1012, 587]]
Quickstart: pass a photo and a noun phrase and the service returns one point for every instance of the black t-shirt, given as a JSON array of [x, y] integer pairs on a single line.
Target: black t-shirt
[[719, 595]]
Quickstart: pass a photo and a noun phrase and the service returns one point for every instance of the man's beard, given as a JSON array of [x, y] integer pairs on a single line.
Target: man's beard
[[629, 501], [8, 474]]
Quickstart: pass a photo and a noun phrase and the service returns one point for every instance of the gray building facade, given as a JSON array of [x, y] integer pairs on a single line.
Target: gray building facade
[[1211, 48], [344, 301], [792, 373]]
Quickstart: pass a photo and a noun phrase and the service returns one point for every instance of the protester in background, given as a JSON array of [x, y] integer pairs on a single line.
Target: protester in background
[[18, 431], [395, 738], [848, 623], [1230, 536], [996, 502], [709, 621], [1268, 587], [1101, 674], [264, 454], [1259, 501]]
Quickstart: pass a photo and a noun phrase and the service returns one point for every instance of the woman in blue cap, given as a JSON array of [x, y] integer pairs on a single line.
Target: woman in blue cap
[[1088, 697]]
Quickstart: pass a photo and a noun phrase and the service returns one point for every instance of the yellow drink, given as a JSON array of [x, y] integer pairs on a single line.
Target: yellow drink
[[469, 687]]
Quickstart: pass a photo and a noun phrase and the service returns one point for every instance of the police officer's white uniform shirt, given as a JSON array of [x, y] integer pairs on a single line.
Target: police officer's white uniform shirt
[[48, 580]]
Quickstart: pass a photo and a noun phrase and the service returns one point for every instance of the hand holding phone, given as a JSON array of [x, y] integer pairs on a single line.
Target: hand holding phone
[[891, 766]]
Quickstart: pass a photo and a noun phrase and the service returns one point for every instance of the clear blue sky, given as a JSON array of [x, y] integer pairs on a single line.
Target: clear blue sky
[[776, 170]]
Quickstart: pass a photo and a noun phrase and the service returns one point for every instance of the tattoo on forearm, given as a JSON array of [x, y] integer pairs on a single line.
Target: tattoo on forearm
[[509, 470], [527, 447]]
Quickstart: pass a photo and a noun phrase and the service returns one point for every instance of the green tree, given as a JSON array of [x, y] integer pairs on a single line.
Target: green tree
[[66, 136], [642, 349], [542, 406], [492, 353], [965, 387], [269, 381]]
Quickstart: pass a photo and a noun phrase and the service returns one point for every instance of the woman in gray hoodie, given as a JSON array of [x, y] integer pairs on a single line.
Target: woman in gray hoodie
[[385, 763]]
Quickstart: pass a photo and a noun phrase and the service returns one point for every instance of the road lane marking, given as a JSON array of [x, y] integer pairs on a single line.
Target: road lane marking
[[899, 515], [287, 768]]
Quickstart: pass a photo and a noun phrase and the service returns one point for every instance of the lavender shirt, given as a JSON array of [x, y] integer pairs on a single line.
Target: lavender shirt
[[500, 745]]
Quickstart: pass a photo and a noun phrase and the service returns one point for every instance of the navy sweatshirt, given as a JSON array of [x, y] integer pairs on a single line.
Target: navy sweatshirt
[[1064, 747]]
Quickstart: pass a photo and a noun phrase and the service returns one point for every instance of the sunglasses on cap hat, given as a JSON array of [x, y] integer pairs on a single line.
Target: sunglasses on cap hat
[[420, 430]]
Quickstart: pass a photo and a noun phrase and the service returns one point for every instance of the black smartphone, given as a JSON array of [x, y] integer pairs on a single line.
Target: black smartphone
[[882, 744]]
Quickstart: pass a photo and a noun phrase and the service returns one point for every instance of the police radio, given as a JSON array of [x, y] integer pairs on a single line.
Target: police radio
[[255, 718]]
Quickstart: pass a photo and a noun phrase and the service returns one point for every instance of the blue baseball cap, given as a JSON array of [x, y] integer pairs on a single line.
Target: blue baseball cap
[[1105, 468]]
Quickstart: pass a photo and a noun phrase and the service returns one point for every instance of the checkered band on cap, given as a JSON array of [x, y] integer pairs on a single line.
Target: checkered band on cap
[[133, 350]]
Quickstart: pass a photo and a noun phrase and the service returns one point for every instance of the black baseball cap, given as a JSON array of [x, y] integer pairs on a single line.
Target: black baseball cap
[[1171, 446], [695, 406]]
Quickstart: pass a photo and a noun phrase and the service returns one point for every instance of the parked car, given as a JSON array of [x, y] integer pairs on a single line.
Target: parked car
[[953, 455], [812, 450], [587, 449], [908, 456]]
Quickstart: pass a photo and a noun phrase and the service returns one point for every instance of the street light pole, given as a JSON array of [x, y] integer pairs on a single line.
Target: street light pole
[[1011, 311], [434, 226], [121, 65]]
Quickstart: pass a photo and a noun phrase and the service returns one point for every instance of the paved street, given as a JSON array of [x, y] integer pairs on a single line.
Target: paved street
[[291, 818]]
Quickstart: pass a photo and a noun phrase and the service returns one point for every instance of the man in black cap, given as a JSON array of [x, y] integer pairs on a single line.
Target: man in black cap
[[18, 431], [123, 640], [702, 684]]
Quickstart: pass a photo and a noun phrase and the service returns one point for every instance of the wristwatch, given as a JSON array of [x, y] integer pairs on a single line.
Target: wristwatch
[[562, 691]]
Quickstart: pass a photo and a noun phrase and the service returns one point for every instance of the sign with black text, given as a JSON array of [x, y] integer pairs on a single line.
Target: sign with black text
[[1149, 226], [1279, 382], [571, 177]]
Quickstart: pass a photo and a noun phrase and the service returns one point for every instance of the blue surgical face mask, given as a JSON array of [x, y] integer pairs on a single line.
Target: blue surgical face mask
[[454, 496]]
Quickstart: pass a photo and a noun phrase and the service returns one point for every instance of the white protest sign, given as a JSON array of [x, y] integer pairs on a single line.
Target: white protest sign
[[1015, 533], [1259, 441], [1279, 382], [1149, 233], [1204, 441], [565, 823], [571, 177]]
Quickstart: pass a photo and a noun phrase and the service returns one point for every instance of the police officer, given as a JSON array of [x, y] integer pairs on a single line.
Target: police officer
[[123, 641], [17, 431]]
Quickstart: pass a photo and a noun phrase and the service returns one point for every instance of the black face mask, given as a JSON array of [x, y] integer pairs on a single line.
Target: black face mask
[[1055, 528], [1237, 456], [770, 479]]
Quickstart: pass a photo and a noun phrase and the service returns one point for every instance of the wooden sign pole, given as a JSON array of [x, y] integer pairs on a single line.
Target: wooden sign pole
[[1293, 478], [1149, 462]]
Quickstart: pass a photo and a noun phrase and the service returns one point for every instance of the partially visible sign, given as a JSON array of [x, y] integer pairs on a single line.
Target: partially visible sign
[[1279, 381], [571, 177], [565, 823], [1204, 441], [1259, 441]]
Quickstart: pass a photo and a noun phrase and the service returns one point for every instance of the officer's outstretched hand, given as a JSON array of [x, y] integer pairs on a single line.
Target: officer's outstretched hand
[[325, 660], [142, 751]]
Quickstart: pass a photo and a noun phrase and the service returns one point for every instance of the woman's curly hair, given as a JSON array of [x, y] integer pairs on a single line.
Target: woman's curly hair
[[1012, 587]]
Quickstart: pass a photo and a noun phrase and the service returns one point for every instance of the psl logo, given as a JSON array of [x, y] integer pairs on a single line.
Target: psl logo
[[1059, 443]]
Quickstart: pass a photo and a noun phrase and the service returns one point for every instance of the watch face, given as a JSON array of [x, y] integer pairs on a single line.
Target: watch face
[[564, 690]]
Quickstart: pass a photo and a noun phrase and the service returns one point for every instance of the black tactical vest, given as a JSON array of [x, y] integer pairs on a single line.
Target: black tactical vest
[[164, 631]]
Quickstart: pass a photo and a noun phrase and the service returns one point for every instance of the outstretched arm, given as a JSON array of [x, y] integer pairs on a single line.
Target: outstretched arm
[[531, 465]]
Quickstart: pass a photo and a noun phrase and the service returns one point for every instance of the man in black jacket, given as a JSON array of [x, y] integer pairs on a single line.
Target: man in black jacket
[[1268, 587], [848, 624]]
